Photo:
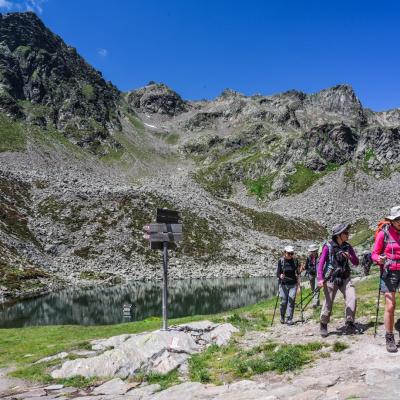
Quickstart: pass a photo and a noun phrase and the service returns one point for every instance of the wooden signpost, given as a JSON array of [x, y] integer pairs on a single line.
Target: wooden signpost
[[163, 235]]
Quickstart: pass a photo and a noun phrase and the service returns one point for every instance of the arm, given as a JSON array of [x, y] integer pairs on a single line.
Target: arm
[[279, 270], [378, 249], [307, 264], [321, 263], [353, 256]]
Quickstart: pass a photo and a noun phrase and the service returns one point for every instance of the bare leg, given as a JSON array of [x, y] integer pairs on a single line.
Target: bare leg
[[390, 305]]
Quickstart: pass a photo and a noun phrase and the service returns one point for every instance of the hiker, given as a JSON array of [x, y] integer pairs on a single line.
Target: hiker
[[311, 271], [288, 274], [386, 253], [333, 273]]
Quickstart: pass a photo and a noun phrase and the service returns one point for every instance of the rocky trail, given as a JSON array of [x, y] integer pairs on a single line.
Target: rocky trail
[[363, 370]]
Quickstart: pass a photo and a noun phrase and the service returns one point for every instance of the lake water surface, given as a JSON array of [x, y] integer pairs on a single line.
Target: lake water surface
[[104, 305]]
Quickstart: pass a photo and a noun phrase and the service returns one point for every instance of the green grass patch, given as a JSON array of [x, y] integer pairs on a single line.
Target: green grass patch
[[261, 186], [136, 122], [301, 180], [88, 91], [304, 177], [12, 137], [331, 167], [41, 373], [339, 346], [360, 233], [199, 365], [281, 227], [172, 138], [33, 109], [165, 381], [368, 155], [225, 364], [218, 184]]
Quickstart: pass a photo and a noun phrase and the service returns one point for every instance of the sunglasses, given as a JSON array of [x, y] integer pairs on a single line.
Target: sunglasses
[[290, 254], [345, 233]]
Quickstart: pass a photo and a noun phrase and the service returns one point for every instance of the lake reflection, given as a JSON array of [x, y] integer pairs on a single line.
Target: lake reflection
[[104, 305]]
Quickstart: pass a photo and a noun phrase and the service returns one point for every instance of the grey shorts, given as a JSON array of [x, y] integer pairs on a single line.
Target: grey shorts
[[390, 282]]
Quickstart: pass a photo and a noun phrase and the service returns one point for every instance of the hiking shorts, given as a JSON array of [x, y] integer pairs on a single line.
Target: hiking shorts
[[390, 282]]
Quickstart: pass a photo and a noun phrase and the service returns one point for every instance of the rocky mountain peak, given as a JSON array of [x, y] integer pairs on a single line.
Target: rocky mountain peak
[[157, 98], [340, 99], [27, 28], [43, 79], [227, 93]]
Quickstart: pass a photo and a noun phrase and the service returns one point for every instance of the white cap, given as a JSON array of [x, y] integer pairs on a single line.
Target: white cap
[[313, 247], [289, 249], [394, 213]]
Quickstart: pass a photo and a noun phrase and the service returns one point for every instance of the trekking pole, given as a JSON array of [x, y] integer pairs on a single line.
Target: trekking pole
[[308, 296], [301, 300], [276, 305], [305, 299], [379, 298], [312, 297]]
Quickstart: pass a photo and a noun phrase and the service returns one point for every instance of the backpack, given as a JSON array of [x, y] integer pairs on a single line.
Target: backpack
[[334, 273], [366, 262], [383, 225], [328, 267], [312, 269], [282, 263]]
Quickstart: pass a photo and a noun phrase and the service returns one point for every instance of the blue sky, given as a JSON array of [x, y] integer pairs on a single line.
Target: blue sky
[[199, 48]]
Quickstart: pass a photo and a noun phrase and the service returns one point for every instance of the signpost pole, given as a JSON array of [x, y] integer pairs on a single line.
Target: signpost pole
[[165, 287], [168, 229]]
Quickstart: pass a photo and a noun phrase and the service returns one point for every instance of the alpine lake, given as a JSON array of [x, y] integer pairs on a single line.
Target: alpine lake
[[136, 301]]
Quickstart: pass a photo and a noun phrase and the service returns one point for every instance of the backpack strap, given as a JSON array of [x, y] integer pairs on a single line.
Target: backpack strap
[[330, 253], [329, 261], [385, 230]]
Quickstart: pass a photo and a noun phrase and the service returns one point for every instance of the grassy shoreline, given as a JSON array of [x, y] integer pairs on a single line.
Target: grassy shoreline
[[22, 347]]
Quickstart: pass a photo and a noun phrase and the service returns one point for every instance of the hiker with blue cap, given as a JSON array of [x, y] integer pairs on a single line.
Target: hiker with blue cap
[[333, 274], [288, 273]]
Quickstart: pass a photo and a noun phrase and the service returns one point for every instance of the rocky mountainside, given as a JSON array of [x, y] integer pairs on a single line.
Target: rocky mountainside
[[83, 167], [47, 83]]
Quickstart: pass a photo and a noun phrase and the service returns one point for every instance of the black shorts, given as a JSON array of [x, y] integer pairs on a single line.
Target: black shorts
[[390, 281]]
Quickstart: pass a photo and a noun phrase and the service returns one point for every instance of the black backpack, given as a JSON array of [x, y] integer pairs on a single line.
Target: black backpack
[[366, 262]]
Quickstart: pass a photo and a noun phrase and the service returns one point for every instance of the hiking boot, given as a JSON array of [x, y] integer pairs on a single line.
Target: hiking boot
[[282, 320], [289, 322], [390, 343], [350, 328], [323, 329]]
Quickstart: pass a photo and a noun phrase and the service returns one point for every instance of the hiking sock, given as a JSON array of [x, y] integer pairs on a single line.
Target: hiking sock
[[390, 343]]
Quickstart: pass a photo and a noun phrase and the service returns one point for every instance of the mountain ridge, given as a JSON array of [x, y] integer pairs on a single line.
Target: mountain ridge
[[250, 174]]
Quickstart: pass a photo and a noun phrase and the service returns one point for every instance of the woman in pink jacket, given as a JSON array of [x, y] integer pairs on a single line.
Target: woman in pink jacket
[[386, 253]]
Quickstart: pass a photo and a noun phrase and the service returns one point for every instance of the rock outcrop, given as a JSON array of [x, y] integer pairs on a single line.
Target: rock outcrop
[[157, 98], [159, 351]]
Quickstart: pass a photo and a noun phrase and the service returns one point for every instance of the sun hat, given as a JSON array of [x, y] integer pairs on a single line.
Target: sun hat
[[394, 213], [289, 249], [313, 247], [339, 228]]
